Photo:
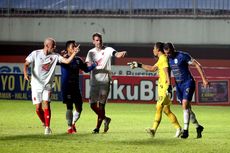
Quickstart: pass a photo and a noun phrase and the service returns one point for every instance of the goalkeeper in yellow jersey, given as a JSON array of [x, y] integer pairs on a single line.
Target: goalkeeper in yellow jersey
[[164, 89]]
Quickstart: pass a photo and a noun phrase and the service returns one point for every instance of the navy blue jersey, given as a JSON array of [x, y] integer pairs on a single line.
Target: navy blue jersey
[[179, 66], [70, 75]]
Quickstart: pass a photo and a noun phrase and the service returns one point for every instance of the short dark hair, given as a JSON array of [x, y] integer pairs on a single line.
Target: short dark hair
[[160, 46], [97, 34], [68, 43], [169, 46]]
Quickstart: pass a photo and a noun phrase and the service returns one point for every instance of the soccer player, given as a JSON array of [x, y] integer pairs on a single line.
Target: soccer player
[[43, 63], [164, 88], [71, 93], [185, 84], [100, 79]]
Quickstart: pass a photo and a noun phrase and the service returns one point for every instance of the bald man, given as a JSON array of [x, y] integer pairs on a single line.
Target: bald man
[[43, 63]]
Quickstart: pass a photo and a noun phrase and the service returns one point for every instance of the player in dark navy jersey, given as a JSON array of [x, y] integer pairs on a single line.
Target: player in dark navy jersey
[[179, 63], [71, 93]]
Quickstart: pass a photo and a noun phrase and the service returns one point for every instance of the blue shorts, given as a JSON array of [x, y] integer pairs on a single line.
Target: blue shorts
[[185, 90]]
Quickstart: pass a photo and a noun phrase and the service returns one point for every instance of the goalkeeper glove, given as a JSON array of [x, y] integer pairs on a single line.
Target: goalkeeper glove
[[135, 64]]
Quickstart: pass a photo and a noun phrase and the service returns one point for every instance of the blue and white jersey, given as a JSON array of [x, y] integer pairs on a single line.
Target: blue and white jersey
[[179, 66]]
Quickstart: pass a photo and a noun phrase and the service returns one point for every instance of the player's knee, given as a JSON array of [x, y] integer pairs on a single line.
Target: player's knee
[[69, 107], [93, 106], [38, 109], [79, 110], [159, 106], [167, 112]]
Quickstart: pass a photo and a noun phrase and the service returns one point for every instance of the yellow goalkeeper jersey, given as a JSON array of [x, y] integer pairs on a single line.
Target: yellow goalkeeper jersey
[[161, 64], [162, 84]]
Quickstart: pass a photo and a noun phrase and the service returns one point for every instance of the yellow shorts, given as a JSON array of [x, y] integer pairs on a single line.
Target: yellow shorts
[[163, 98]]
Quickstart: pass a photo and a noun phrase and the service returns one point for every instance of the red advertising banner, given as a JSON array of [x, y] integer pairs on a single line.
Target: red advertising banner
[[131, 89], [143, 89]]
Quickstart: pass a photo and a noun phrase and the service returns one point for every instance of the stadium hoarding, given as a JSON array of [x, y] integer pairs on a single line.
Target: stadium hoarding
[[129, 86], [129, 89], [124, 89], [14, 86], [216, 93]]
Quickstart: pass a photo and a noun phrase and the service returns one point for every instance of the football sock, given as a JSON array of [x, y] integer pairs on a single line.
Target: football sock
[[158, 116], [99, 121], [69, 117], [47, 114], [186, 118], [76, 116], [101, 117], [40, 114], [193, 119]]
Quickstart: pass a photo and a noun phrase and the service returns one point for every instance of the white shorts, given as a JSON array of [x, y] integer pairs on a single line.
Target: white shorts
[[99, 93], [39, 95]]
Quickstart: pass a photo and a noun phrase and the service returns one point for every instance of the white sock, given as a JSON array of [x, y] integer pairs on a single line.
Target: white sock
[[186, 118], [69, 117], [76, 116], [193, 118]]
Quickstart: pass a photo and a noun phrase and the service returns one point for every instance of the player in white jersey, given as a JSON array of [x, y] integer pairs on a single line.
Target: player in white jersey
[[43, 63], [100, 78]]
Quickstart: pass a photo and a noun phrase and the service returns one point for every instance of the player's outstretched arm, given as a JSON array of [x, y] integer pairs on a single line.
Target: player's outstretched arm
[[135, 64], [120, 54], [149, 67], [90, 67], [201, 72]]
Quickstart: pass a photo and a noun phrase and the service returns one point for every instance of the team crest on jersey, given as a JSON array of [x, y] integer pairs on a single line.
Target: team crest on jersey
[[46, 67], [175, 61]]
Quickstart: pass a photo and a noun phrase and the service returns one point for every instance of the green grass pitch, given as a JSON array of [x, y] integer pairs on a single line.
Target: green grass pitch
[[21, 130]]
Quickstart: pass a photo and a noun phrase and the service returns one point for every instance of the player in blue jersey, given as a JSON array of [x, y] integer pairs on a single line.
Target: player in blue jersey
[[179, 63], [70, 86]]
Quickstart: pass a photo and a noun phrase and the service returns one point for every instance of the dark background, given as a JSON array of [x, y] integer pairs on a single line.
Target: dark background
[[134, 50]]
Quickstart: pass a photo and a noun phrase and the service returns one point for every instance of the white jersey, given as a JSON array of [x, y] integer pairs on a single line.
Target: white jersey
[[43, 68], [102, 73]]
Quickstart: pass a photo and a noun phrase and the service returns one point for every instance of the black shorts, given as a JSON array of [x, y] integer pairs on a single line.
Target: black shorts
[[72, 97]]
